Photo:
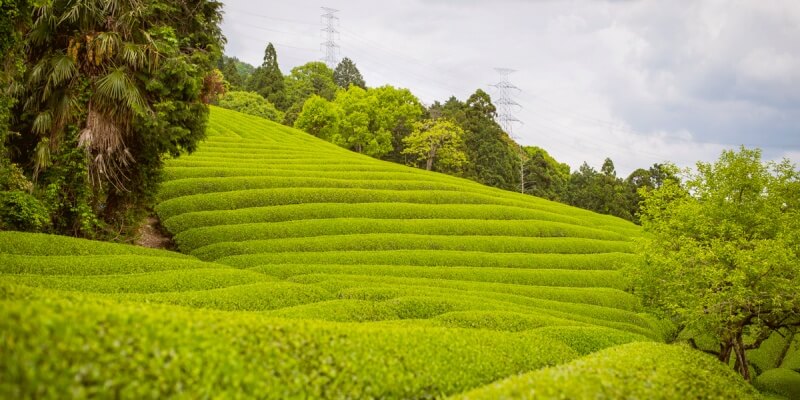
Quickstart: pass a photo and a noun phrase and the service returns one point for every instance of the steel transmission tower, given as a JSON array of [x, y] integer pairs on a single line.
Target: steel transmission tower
[[330, 20], [504, 101], [506, 107]]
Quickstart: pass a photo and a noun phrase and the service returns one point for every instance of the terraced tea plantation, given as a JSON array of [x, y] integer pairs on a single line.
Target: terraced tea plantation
[[308, 271]]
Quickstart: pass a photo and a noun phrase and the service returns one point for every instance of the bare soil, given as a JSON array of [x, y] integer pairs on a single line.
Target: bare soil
[[152, 234]]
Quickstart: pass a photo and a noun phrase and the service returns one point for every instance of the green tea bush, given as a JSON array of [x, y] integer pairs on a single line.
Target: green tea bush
[[95, 264], [553, 224], [437, 258], [267, 197], [388, 241], [151, 282], [497, 320], [535, 277], [177, 352], [596, 296], [35, 244], [779, 381], [589, 339], [636, 370], [195, 238], [768, 355], [253, 297], [792, 358]]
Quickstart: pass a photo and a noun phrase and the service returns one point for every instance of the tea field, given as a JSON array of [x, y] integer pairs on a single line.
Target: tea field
[[309, 271]]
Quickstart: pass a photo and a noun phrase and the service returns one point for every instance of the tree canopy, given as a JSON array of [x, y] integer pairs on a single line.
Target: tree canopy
[[346, 74], [437, 143], [721, 253], [252, 104]]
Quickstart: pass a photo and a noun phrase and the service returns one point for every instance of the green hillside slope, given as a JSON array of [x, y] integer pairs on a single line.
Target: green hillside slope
[[312, 271]]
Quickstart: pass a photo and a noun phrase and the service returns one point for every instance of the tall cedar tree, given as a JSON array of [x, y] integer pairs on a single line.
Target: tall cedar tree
[[267, 80], [347, 74]]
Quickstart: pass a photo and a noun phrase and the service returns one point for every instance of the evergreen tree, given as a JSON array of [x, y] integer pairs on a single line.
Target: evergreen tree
[[544, 176], [493, 157], [267, 80], [347, 74]]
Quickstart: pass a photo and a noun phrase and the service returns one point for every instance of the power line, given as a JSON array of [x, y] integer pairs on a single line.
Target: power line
[[330, 20]]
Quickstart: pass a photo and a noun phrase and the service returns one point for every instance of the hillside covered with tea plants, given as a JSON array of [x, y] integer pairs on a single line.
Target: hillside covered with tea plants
[[306, 270]]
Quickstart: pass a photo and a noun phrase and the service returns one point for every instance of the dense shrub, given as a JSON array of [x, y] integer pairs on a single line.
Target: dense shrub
[[251, 104], [34, 244], [95, 265], [637, 370], [779, 381], [391, 241], [193, 354], [195, 238], [437, 258], [23, 212]]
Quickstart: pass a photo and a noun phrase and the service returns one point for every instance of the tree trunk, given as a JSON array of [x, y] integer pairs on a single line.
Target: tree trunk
[[741, 358], [431, 157], [725, 352]]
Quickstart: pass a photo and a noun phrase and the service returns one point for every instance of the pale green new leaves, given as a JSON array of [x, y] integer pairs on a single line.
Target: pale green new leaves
[[358, 119], [438, 143], [722, 252]]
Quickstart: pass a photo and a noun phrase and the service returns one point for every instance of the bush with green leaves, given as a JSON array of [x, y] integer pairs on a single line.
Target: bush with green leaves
[[251, 104], [190, 353], [637, 370], [779, 381], [23, 212]]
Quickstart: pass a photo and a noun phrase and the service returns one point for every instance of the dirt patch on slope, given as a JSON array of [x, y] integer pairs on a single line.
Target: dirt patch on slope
[[151, 234]]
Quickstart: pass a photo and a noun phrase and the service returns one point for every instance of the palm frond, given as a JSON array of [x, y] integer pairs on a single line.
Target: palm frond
[[116, 86], [41, 157], [43, 123], [63, 68], [133, 55]]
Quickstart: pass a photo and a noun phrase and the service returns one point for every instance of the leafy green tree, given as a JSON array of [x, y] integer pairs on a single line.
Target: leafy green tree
[[721, 253], [360, 127], [314, 78], [252, 104], [544, 176], [319, 117], [398, 110], [346, 74], [268, 81], [123, 82], [437, 143]]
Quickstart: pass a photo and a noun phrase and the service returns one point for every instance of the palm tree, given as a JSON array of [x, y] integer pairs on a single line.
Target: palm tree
[[85, 57]]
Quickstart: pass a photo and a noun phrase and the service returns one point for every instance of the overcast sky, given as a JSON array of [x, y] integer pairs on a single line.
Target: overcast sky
[[638, 81]]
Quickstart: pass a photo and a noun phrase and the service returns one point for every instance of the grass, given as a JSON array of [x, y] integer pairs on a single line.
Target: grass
[[309, 271]]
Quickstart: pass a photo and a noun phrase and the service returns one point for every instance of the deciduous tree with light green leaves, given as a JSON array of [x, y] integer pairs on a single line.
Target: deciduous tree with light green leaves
[[319, 117], [437, 143], [252, 104], [721, 254]]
